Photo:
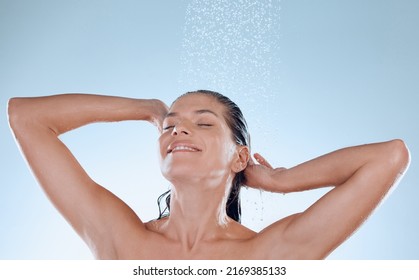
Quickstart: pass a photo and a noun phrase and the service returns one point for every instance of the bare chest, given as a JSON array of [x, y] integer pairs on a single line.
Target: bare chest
[[160, 248]]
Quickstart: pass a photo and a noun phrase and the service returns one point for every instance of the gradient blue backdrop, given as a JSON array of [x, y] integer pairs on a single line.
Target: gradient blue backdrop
[[310, 76]]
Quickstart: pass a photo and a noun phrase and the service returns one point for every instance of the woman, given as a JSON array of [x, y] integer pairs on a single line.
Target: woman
[[204, 153]]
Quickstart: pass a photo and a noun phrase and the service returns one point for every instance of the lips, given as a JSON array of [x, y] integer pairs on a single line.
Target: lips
[[182, 147]]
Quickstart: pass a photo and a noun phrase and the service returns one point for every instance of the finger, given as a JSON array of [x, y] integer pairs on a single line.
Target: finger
[[262, 160]]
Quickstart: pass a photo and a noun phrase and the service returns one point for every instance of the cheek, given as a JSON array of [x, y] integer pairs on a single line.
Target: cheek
[[221, 154], [162, 151], [228, 145], [162, 146]]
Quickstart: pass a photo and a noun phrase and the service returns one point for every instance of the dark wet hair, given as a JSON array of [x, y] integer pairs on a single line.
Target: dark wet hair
[[238, 126]]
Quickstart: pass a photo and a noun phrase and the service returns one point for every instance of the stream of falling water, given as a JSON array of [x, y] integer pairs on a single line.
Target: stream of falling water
[[233, 47]]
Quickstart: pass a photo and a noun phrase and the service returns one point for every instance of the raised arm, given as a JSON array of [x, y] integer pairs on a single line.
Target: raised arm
[[95, 213], [361, 177]]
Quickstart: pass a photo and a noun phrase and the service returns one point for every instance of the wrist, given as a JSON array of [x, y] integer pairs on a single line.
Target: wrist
[[156, 111], [276, 182]]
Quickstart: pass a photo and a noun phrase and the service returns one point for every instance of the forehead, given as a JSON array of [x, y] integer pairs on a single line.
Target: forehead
[[195, 102]]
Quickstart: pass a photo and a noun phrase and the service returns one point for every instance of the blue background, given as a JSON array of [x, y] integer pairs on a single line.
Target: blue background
[[310, 76]]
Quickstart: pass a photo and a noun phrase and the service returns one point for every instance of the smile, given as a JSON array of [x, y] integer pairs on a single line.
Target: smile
[[182, 148]]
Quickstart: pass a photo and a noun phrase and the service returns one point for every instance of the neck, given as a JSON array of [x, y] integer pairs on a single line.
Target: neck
[[197, 214]]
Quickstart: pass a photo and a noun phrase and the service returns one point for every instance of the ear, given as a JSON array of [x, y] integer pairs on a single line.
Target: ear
[[241, 159]]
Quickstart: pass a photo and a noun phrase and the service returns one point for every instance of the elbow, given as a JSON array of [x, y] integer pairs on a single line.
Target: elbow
[[399, 155], [26, 113], [20, 113], [14, 113]]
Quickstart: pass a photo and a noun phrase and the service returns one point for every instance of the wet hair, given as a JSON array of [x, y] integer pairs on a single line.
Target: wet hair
[[238, 126]]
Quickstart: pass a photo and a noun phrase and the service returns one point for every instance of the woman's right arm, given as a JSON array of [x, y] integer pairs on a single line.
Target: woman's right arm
[[95, 213]]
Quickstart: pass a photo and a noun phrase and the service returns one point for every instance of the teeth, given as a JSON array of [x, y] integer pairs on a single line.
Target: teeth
[[180, 148]]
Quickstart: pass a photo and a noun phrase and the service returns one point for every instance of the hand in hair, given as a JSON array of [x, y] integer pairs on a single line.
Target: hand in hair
[[259, 175]]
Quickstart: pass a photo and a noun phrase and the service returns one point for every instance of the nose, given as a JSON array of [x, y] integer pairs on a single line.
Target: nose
[[180, 128]]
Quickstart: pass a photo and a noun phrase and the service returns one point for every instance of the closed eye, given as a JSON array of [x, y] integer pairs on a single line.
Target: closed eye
[[205, 124], [199, 124]]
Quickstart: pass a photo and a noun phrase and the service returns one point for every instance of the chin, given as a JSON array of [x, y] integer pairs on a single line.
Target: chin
[[180, 171], [183, 169]]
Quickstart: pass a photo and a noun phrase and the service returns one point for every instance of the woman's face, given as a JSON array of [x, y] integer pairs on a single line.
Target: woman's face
[[196, 144]]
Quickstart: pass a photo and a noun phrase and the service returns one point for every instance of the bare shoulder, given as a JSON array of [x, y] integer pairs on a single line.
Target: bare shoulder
[[274, 242], [237, 231]]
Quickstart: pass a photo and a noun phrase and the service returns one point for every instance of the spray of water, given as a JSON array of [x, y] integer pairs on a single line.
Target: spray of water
[[233, 47]]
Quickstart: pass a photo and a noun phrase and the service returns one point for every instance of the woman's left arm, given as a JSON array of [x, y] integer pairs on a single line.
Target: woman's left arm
[[361, 177]]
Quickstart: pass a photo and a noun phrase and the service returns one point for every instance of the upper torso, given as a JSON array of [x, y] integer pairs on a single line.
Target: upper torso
[[153, 243]]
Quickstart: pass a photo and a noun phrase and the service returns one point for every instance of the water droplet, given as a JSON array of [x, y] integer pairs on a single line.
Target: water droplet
[[234, 44]]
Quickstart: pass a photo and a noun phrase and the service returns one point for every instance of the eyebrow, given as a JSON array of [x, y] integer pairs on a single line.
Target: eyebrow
[[198, 112]]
